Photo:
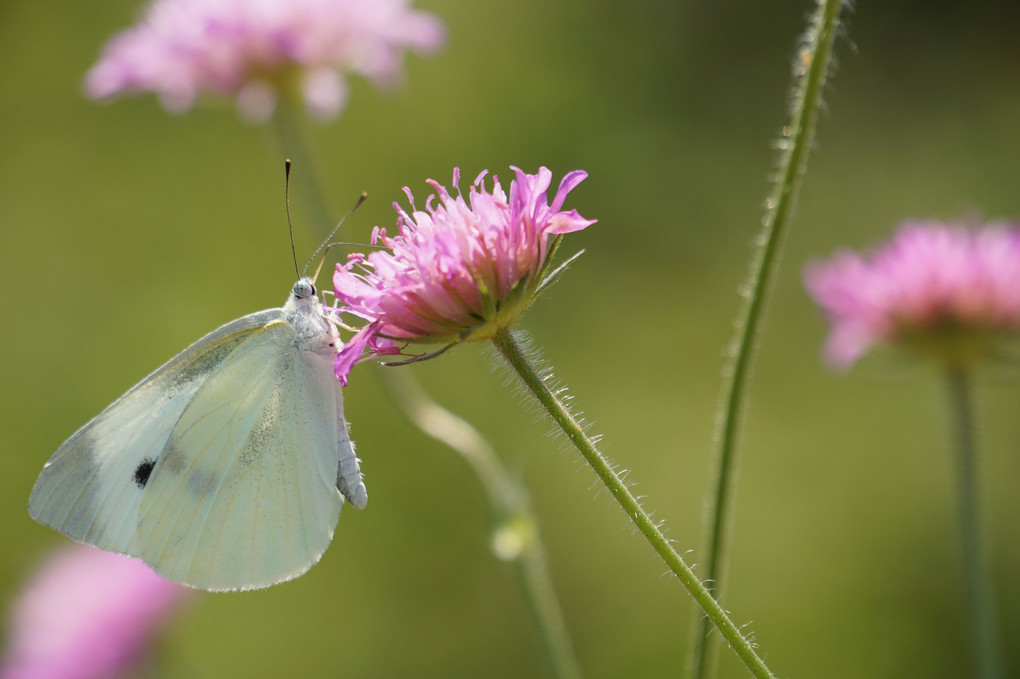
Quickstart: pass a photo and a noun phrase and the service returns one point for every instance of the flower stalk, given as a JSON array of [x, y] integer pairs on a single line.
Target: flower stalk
[[515, 536], [980, 604], [810, 71], [511, 351]]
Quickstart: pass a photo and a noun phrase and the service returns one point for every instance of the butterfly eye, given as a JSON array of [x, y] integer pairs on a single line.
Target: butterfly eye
[[303, 289]]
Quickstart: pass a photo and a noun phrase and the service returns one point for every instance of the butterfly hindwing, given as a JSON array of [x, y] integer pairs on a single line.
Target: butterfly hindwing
[[245, 493]]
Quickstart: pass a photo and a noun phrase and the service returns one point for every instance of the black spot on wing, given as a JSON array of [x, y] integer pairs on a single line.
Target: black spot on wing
[[143, 471]]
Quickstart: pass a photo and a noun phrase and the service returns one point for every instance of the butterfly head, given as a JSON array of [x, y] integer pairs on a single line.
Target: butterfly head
[[303, 301], [303, 310], [303, 289]]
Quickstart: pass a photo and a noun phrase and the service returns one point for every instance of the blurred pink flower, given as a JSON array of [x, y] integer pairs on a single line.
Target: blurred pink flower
[[87, 614], [253, 49], [459, 271], [941, 287]]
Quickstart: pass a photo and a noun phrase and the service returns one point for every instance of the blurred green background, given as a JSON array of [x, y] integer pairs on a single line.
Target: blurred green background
[[128, 233]]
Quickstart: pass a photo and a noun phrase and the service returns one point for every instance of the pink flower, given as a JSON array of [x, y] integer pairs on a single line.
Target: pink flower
[[255, 49], [944, 288], [458, 271], [86, 614]]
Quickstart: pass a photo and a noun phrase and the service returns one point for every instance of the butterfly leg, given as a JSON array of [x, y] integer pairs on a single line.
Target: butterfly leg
[[332, 315], [348, 478]]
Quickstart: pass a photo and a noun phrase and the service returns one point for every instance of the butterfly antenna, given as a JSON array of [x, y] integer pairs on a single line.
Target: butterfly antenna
[[286, 201], [332, 245], [326, 243]]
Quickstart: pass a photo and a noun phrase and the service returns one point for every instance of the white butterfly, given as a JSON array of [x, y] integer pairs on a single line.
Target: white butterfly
[[226, 468]]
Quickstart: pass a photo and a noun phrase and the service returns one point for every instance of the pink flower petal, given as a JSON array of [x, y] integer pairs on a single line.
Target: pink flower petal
[[451, 267], [928, 277], [351, 353], [182, 49], [87, 614]]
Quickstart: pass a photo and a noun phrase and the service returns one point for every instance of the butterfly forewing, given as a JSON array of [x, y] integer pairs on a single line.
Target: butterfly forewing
[[91, 487]]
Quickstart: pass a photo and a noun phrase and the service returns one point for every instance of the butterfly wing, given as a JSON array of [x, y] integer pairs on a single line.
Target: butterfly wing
[[245, 494], [88, 489]]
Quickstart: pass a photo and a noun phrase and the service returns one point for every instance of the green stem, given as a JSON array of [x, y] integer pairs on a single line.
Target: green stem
[[980, 604], [810, 71], [533, 571], [516, 536], [511, 351]]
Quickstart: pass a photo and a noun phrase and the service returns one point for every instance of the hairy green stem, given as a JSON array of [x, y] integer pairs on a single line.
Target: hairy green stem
[[512, 352], [980, 604], [515, 537], [810, 70]]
